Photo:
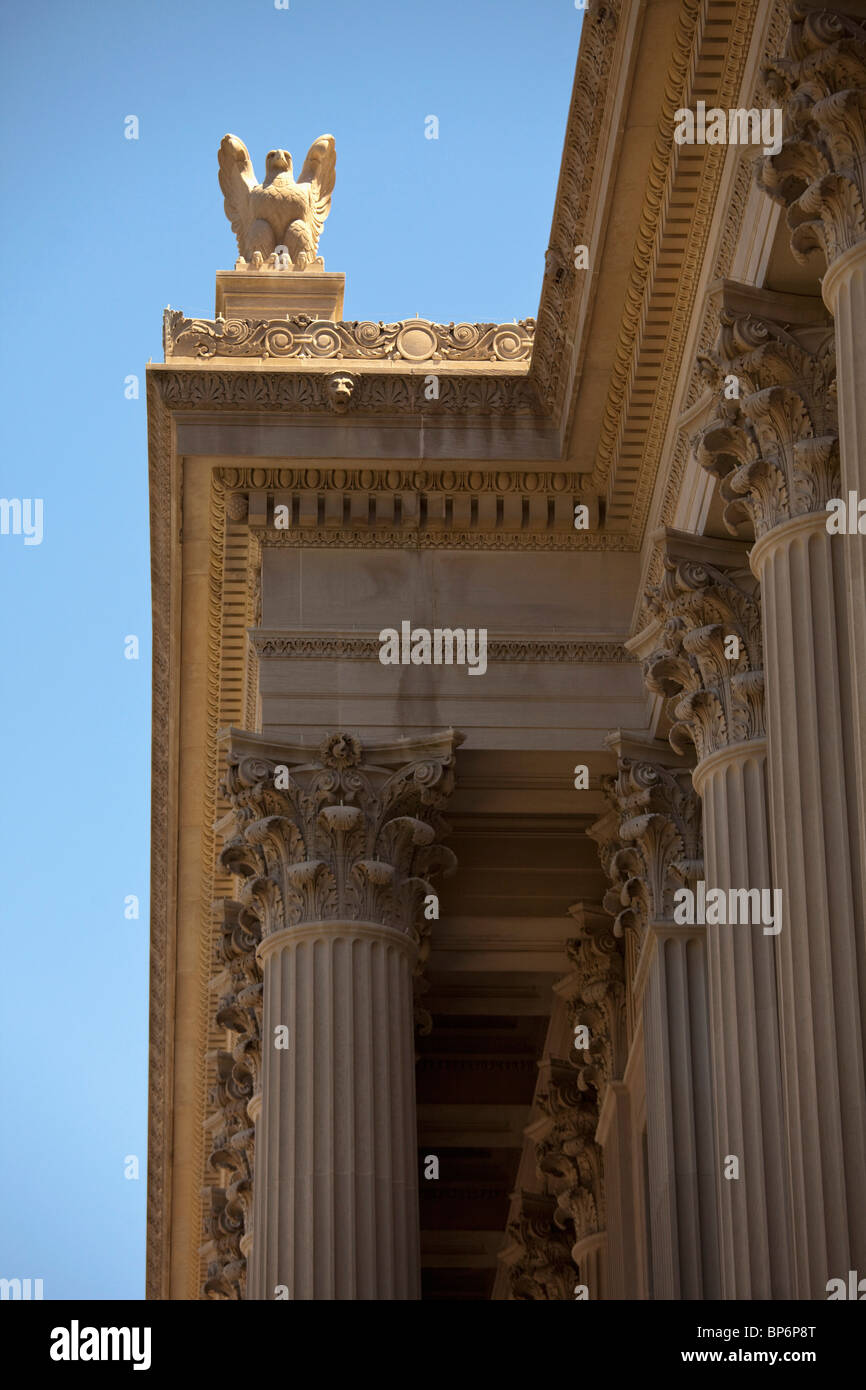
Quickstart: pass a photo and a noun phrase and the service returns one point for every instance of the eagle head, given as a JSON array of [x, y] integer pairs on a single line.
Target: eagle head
[[278, 162]]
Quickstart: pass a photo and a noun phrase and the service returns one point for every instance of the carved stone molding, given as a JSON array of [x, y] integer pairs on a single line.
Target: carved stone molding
[[395, 480], [411, 340], [715, 700], [454, 508], [562, 287], [539, 1260], [819, 175], [649, 842], [774, 447], [567, 1155], [302, 646], [373, 393], [340, 833]]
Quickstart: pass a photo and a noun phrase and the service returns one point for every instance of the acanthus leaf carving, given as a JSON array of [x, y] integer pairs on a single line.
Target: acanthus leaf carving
[[716, 699], [650, 842], [774, 447], [819, 175]]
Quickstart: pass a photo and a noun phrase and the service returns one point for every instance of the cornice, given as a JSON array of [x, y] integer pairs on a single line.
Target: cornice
[[162, 885], [774, 28], [562, 287], [392, 508], [645, 249]]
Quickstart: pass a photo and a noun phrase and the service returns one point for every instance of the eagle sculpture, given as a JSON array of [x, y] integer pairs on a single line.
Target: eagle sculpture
[[278, 213]]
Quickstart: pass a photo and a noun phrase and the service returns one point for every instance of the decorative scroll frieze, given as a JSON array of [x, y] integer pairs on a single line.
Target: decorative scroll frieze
[[709, 658], [302, 336], [338, 833], [774, 447], [228, 1213], [649, 842], [538, 1260], [819, 175]]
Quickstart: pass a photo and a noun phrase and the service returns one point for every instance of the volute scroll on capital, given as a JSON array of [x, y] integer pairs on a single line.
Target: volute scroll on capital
[[716, 697], [819, 175], [650, 842], [774, 446]]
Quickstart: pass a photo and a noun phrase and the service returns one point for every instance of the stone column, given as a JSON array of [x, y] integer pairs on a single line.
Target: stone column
[[819, 176], [335, 849], [710, 660], [650, 846], [775, 451]]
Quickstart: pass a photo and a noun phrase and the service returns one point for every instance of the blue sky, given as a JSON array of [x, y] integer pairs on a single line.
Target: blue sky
[[100, 234]]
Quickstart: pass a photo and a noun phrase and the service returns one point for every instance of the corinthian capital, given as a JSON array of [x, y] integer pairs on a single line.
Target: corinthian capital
[[538, 1257], [340, 833], [709, 658], [774, 446], [819, 174], [567, 1155], [656, 822], [594, 992]]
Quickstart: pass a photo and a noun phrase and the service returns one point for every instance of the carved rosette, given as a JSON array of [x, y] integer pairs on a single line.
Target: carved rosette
[[336, 836], [228, 1213], [716, 700], [775, 449], [539, 1260], [649, 843], [819, 175], [568, 1157]]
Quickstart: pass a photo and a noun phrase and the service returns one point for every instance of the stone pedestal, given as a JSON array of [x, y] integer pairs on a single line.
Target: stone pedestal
[[277, 294]]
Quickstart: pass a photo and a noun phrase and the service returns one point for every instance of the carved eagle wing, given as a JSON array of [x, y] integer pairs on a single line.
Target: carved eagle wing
[[319, 172], [237, 179]]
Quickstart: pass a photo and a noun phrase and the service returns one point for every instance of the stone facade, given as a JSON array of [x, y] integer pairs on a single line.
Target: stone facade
[[530, 964]]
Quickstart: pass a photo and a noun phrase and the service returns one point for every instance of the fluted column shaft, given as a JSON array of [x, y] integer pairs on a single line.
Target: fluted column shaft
[[820, 948], [615, 1135], [754, 1208], [680, 1139], [590, 1256], [336, 1193], [844, 292]]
